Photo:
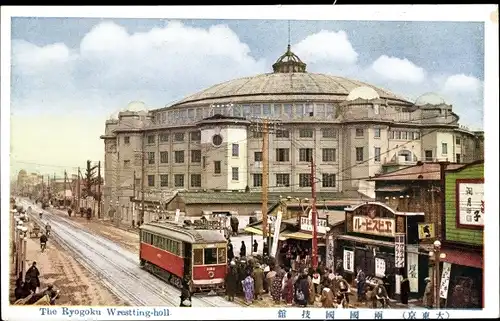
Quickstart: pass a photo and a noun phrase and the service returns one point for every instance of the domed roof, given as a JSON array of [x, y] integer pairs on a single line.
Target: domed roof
[[136, 106], [363, 92], [429, 99]]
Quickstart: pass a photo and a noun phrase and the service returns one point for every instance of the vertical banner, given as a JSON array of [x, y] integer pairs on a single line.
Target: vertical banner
[[412, 267], [349, 261], [445, 280], [330, 252], [276, 235], [399, 250], [379, 267], [177, 215]]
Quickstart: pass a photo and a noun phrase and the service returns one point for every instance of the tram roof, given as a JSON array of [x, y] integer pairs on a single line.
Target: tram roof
[[183, 233]]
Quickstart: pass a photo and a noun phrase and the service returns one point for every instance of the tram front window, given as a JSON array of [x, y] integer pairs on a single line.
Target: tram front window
[[210, 256]]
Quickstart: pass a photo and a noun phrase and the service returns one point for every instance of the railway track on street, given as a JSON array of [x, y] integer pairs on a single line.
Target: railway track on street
[[117, 268]]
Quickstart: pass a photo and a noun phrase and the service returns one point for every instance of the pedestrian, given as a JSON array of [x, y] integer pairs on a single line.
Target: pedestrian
[[316, 280], [32, 277], [243, 250], [255, 246], [428, 298], [43, 242], [19, 290], [19, 280], [231, 281], [312, 289], [361, 281], [270, 276], [302, 291], [258, 276], [288, 289], [327, 298], [230, 251], [248, 289], [265, 249], [405, 288], [276, 286]]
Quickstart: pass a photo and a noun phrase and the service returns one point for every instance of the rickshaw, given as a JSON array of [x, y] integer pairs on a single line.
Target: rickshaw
[[35, 230]]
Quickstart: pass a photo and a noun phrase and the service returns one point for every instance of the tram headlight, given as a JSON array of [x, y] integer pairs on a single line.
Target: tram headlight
[[211, 274]]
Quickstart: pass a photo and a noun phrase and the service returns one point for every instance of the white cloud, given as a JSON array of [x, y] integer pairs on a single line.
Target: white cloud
[[326, 46], [397, 69], [462, 83]]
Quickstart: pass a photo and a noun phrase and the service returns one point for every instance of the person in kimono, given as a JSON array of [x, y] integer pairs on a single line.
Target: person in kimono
[[258, 276], [302, 291], [361, 282], [405, 288], [248, 288], [230, 251], [243, 250], [288, 289], [231, 279], [270, 276], [255, 246], [276, 285], [327, 298], [428, 298]]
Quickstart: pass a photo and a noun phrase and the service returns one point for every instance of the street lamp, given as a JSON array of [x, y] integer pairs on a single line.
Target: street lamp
[[437, 255]]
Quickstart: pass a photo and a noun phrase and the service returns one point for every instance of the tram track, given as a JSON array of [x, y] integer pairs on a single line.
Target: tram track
[[116, 267]]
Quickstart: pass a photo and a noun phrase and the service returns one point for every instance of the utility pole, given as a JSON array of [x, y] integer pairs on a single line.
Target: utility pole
[[442, 207], [143, 174], [64, 193], [314, 215], [43, 189], [99, 189], [265, 126], [78, 191]]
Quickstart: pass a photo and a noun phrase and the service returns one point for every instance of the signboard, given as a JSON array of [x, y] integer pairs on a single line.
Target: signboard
[[412, 267], [330, 252], [306, 224], [375, 226], [399, 250], [426, 231], [177, 215], [379, 267], [445, 280], [276, 235], [348, 261], [470, 204]]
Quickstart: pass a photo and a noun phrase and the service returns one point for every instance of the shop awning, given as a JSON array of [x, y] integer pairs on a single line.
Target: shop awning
[[364, 240], [257, 231], [298, 236], [465, 258], [391, 188]]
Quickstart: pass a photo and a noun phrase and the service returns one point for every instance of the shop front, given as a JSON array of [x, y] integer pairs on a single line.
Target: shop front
[[369, 243]]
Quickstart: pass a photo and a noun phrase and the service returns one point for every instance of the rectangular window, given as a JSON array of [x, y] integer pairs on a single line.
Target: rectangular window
[[457, 141], [304, 180], [151, 139], [283, 180], [210, 256], [151, 157], [257, 134], [196, 156], [305, 154], [416, 135], [151, 180], [391, 134], [163, 157], [360, 132], [195, 136], [221, 255], [236, 150], [444, 148], [164, 180], [328, 180], [397, 134], [257, 180], [266, 109], [257, 156], [217, 167], [126, 139], [404, 135], [457, 156], [282, 154], [428, 156], [376, 133], [126, 164], [179, 137], [179, 156], [236, 174], [359, 154], [377, 154], [195, 180], [306, 133], [179, 180], [164, 138], [329, 154], [282, 133], [198, 257], [328, 133]]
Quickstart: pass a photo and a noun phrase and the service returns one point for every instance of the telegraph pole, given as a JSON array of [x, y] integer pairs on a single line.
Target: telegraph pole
[[314, 215], [99, 190], [78, 192], [64, 193], [43, 189], [143, 174]]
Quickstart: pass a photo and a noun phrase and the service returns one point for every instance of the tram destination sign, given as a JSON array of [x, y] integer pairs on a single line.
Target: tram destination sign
[[375, 226]]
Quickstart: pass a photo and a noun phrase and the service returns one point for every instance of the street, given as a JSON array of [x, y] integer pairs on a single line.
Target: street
[[116, 268]]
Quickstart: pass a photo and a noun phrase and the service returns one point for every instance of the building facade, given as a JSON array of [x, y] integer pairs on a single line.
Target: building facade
[[210, 141]]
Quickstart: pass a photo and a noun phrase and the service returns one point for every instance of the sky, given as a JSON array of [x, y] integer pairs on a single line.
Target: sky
[[68, 75]]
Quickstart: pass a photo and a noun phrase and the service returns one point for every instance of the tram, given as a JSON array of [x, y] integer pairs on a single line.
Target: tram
[[173, 252]]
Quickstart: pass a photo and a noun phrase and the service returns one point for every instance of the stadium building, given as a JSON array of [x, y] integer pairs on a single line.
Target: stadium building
[[209, 142]]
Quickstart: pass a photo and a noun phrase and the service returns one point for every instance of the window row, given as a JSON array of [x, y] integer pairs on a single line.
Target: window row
[[298, 110], [305, 155], [162, 242], [178, 180], [209, 256], [303, 133], [404, 135], [194, 136], [283, 180], [178, 157]]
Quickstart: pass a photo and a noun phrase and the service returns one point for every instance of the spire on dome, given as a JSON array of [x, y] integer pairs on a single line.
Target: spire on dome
[[289, 62]]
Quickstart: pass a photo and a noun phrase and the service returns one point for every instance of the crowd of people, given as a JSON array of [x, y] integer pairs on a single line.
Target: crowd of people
[[29, 288]]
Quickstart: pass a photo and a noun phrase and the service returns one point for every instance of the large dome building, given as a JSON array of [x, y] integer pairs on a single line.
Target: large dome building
[[212, 140]]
